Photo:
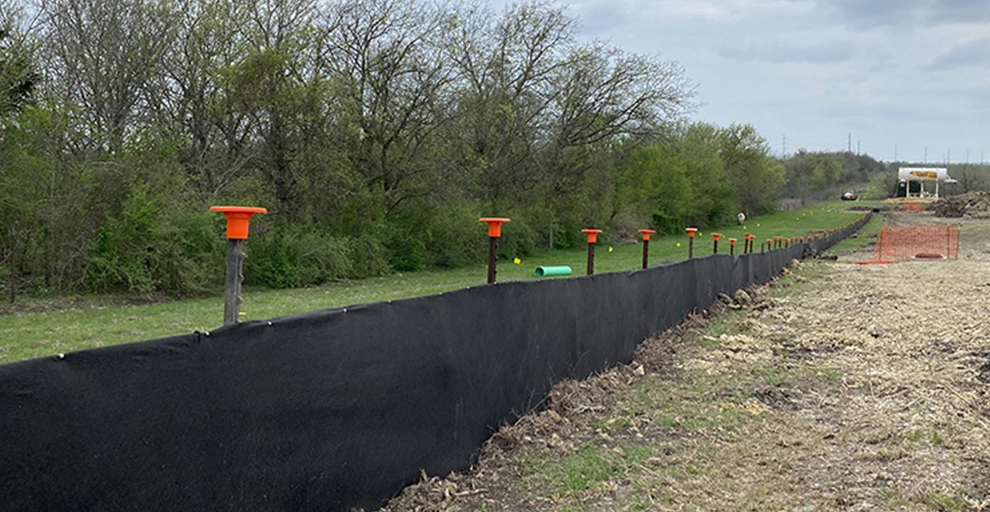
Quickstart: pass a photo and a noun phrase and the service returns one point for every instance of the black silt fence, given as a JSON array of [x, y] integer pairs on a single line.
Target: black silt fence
[[331, 409]]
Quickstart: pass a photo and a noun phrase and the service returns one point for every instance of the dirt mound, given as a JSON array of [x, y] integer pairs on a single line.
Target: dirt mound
[[970, 205]]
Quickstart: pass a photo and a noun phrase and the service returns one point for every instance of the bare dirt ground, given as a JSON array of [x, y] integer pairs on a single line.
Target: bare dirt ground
[[838, 387]]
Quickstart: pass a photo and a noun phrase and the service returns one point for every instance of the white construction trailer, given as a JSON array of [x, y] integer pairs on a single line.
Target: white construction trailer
[[938, 175]]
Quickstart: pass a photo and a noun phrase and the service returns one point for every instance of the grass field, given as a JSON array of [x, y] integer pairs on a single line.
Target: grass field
[[88, 322]]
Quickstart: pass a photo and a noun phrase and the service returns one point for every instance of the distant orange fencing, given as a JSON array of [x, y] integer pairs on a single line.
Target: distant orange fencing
[[911, 207], [899, 243]]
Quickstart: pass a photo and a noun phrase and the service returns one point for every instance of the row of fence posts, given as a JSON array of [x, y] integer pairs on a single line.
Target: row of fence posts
[[239, 217], [749, 244]]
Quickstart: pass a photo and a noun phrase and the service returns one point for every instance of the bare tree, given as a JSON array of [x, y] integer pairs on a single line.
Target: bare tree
[[506, 65], [101, 55], [393, 75]]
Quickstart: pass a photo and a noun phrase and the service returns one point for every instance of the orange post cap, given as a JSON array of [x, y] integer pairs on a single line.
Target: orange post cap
[[494, 225], [716, 236], [691, 231], [592, 234], [646, 233], [732, 241], [238, 219]]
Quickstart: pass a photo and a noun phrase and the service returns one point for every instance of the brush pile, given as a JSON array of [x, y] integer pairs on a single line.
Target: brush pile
[[975, 205]]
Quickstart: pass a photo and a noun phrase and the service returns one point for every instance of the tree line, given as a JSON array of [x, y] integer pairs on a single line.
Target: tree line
[[376, 132]]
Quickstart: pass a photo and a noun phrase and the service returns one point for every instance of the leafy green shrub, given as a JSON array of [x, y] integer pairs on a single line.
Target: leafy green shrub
[[406, 233], [189, 252], [405, 250], [297, 255], [518, 237], [455, 238], [369, 257], [149, 248], [124, 248]]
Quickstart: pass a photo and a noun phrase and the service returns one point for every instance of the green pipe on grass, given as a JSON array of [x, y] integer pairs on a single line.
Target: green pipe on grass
[[552, 271]]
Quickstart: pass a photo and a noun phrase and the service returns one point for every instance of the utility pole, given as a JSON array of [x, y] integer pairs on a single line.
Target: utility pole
[[857, 147], [849, 146], [948, 156], [783, 146]]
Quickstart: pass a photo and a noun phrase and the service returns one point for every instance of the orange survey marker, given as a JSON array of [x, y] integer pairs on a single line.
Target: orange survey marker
[[900, 243]]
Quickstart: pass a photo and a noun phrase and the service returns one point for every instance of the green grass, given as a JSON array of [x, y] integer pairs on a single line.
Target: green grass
[[92, 322], [589, 466], [865, 236]]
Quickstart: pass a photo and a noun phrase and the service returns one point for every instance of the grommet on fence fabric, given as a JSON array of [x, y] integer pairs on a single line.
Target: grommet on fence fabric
[[61, 356], [269, 322]]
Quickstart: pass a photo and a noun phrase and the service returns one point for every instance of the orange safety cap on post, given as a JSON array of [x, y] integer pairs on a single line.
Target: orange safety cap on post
[[646, 233], [732, 241], [592, 235], [716, 236], [691, 231], [238, 219], [494, 225]]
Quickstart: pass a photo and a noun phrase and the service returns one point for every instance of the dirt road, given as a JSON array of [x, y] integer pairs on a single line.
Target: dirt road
[[840, 387]]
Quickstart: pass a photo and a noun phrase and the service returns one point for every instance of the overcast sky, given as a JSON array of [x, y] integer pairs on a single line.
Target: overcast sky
[[904, 73]]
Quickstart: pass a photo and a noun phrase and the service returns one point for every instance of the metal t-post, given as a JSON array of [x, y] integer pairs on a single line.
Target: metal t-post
[[238, 222], [592, 239], [646, 245], [235, 276], [494, 232], [492, 255], [591, 258]]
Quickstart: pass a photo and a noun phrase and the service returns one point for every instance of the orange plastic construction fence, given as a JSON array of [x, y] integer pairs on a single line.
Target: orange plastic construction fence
[[911, 207], [900, 243]]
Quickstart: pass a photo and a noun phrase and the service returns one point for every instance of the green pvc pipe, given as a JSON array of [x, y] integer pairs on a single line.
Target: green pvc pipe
[[552, 271]]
